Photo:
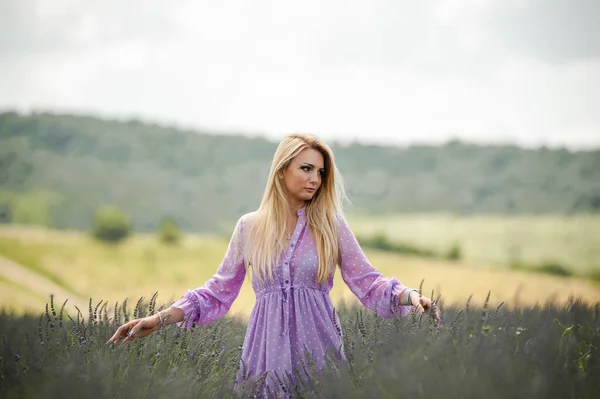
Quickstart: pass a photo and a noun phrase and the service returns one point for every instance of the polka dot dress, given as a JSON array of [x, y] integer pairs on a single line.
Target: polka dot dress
[[293, 315]]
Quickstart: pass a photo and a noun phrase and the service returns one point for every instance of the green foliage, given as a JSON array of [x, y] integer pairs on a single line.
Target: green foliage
[[547, 267], [454, 252], [169, 232], [111, 225], [381, 242], [555, 268], [5, 212], [465, 356], [569, 240], [33, 207], [594, 274], [90, 161]]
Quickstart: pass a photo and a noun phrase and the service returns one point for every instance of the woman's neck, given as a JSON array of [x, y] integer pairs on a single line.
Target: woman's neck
[[295, 206]]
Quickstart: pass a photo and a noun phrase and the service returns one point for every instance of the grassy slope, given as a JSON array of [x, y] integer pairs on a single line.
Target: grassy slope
[[573, 241], [142, 265], [17, 298]]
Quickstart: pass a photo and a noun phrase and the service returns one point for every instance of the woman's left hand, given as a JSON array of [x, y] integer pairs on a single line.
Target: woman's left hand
[[423, 304]]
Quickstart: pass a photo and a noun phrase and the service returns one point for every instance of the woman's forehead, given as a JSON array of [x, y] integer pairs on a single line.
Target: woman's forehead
[[311, 156]]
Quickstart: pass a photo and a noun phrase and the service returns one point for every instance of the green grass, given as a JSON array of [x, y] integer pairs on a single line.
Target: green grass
[[15, 297], [31, 257], [492, 241], [142, 265]]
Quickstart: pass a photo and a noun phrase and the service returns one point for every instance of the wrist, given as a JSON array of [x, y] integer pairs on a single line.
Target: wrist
[[160, 318], [406, 296]]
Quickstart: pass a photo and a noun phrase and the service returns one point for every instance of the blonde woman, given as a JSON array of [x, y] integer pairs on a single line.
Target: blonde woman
[[292, 245]]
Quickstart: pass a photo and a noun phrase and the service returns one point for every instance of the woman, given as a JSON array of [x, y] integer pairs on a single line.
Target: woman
[[292, 245]]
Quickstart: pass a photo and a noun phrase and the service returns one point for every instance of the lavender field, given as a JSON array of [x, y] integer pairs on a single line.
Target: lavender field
[[492, 352]]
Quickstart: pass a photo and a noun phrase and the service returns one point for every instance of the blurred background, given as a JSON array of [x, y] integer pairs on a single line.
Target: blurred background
[[133, 134]]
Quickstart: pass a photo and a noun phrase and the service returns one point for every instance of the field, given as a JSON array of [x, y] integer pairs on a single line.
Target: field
[[496, 241], [531, 339], [541, 352], [82, 268]]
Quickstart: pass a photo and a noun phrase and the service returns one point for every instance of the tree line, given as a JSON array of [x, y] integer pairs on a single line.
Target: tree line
[[58, 170]]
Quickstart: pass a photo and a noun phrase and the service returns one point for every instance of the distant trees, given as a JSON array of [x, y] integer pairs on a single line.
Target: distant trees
[[169, 232], [381, 242], [34, 207], [111, 225], [202, 180], [5, 214], [454, 252]]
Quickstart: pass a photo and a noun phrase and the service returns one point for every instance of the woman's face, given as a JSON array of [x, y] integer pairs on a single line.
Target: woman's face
[[303, 177]]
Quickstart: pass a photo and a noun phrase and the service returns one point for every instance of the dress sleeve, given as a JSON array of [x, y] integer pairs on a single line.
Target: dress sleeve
[[213, 300], [372, 289]]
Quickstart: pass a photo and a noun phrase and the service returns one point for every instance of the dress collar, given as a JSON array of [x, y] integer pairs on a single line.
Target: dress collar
[[300, 211]]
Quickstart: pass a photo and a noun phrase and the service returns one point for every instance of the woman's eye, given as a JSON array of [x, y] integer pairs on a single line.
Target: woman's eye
[[305, 168]]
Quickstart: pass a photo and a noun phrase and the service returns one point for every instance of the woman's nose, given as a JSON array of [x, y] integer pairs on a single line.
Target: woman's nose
[[314, 177]]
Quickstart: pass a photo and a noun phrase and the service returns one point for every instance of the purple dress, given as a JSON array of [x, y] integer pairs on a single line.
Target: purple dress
[[292, 313]]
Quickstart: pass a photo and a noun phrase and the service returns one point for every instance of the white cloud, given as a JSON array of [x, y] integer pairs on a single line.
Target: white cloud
[[383, 71]]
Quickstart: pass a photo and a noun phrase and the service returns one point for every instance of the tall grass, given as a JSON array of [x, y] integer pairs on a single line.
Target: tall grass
[[477, 351]]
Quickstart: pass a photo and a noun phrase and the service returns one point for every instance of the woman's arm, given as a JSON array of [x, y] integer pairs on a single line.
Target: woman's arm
[[371, 288], [202, 305], [213, 300]]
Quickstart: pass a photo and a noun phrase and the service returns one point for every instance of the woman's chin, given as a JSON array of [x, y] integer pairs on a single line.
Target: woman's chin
[[305, 197]]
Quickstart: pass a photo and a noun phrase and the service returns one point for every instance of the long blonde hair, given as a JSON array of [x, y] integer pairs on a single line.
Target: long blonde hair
[[266, 241]]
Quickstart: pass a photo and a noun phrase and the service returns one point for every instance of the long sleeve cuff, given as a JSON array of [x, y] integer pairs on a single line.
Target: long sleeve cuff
[[190, 304], [395, 288]]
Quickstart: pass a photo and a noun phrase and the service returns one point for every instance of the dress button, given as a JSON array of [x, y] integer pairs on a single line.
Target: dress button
[[286, 262], [287, 281]]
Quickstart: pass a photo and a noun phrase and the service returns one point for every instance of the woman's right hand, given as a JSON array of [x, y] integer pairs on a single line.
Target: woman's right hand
[[137, 328]]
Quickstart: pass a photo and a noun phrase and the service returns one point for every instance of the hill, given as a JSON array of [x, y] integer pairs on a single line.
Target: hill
[[82, 267], [56, 170]]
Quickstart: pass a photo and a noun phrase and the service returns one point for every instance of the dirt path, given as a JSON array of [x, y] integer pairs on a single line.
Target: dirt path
[[44, 287]]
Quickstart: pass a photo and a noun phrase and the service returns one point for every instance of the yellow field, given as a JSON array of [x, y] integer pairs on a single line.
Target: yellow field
[[490, 240], [142, 265]]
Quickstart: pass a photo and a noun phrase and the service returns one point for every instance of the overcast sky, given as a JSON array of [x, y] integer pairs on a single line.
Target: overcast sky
[[521, 71]]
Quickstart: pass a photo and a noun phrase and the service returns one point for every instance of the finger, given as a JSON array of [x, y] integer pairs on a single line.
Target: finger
[[115, 336], [420, 302], [136, 330], [110, 340], [435, 313], [121, 332], [128, 337], [124, 342]]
